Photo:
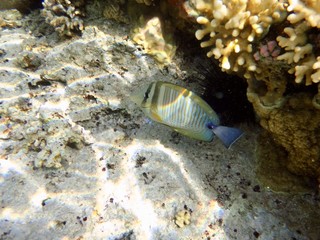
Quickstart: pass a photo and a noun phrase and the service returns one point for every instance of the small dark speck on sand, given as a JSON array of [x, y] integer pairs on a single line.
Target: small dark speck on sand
[[256, 188], [256, 234]]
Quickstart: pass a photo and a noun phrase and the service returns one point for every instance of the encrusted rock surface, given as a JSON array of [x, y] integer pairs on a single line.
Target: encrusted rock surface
[[80, 161]]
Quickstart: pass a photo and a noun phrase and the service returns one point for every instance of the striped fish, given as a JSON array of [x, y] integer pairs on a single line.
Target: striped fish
[[183, 111]]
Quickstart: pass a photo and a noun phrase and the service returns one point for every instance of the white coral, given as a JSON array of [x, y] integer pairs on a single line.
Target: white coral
[[308, 10], [232, 27], [298, 50]]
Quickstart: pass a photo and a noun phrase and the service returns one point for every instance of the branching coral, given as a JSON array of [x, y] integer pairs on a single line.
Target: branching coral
[[233, 30], [297, 48], [305, 9], [233, 26], [64, 15], [302, 43]]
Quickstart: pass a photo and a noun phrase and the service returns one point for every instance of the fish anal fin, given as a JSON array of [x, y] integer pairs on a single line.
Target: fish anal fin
[[200, 135]]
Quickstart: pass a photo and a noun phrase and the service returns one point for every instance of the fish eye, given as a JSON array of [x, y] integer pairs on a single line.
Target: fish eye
[[146, 95]]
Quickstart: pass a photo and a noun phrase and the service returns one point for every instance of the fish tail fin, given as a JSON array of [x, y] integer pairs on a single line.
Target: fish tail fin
[[227, 135]]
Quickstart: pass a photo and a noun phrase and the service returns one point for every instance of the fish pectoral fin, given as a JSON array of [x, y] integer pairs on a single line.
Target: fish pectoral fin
[[196, 134], [155, 117]]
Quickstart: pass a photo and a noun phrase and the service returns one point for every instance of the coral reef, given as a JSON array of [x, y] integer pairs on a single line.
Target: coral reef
[[305, 9], [231, 27], [151, 38], [64, 15], [293, 119], [51, 141], [239, 37]]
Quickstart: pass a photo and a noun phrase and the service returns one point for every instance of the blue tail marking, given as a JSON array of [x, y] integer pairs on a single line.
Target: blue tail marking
[[227, 135]]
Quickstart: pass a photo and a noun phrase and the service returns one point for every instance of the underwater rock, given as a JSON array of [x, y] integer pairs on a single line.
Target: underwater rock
[[10, 18], [44, 136], [21, 5], [295, 125], [28, 60], [272, 171]]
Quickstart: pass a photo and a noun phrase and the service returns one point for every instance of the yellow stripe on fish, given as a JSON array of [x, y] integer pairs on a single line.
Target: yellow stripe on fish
[[183, 111]]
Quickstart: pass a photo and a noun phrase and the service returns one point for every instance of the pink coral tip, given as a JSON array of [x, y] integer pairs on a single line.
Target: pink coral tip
[[275, 53], [256, 56], [271, 45], [264, 51]]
